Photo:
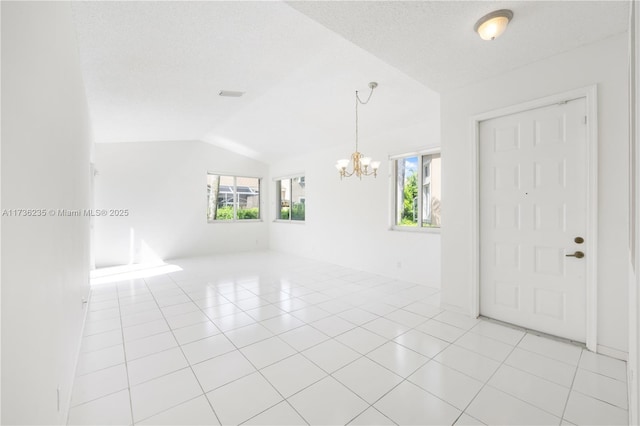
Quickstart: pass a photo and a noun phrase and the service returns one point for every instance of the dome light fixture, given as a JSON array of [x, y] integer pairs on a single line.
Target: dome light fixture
[[493, 24]]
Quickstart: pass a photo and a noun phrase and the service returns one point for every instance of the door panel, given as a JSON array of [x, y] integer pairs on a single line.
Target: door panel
[[532, 206]]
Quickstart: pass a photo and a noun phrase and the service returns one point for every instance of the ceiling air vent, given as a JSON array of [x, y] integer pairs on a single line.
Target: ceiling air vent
[[231, 93]]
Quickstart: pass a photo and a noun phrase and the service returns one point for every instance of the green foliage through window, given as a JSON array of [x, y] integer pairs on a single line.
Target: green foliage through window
[[226, 213], [297, 213], [231, 198], [291, 198], [410, 193], [418, 191]]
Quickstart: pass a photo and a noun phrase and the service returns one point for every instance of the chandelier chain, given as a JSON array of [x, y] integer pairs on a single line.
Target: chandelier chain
[[372, 86], [360, 101], [357, 100]]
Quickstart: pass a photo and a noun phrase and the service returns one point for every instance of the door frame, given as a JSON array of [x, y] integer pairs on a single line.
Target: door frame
[[590, 93]]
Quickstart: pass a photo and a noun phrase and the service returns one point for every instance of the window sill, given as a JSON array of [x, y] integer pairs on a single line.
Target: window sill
[[424, 230], [297, 222], [236, 221]]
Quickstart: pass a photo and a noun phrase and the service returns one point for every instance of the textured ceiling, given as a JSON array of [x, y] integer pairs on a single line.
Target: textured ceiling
[[153, 70], [434, 41]]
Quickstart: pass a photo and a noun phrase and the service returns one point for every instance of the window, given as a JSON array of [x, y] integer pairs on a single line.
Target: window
[[232, 198], [417, 191], [291, 198]]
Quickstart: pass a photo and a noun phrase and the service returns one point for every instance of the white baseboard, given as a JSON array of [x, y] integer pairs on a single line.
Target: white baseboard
[[613, 353], [456, 309], [67, 406], [632, 386]]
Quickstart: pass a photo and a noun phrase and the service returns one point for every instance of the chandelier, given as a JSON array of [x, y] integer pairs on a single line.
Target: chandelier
[[360, 165]]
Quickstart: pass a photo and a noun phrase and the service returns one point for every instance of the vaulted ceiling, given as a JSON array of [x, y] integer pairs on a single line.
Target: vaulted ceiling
[[434, 41], [153, 70]]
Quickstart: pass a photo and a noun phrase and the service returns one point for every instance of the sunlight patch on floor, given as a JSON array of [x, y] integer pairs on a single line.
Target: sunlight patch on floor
[[130, 272]]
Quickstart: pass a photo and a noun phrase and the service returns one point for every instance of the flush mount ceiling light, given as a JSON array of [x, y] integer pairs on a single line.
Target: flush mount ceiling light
[[360, 164], [491, 25]]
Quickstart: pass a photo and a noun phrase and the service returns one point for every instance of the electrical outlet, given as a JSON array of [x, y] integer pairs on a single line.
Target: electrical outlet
[[399, 264]]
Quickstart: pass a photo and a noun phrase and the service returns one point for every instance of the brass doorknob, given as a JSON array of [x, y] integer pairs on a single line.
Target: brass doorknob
[[577, 254]]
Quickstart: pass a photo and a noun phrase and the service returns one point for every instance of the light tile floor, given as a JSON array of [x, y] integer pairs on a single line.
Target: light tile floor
[[272, 339]]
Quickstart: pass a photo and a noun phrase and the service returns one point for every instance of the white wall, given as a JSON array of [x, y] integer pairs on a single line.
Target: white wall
[[633, 364], [347, 222], [604, 64], [164, 187], [45, 164]]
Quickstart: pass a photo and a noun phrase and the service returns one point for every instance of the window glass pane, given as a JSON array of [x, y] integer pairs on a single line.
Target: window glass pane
[[226, 197], [284, 194], [407, 192], [298, 198], [232, 198], [220, 196], [247, 198], [212, 195], [431, 190]]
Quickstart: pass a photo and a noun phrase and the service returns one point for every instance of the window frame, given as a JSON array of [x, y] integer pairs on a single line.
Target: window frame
[[235, 202], [278, 201], [393, 177]]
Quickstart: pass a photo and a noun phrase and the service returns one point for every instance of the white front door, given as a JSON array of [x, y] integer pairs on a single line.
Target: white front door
[[533, 201]]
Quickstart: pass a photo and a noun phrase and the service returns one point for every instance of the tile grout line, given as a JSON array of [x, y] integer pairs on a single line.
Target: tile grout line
[[371, 405], [185, 358], [329, 337], [573, 380], [387, 340], [534, 375], [124, 353], [328, 374], [486, 382], [297, 352], [101, 369], [249, 361], [600, 400], [334, 296], [504, 361], [624, 382], [362, 356], [407, 378]]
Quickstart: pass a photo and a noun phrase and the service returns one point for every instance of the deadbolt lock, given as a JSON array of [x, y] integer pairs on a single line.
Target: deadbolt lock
[[577, 254], [579, 240]]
